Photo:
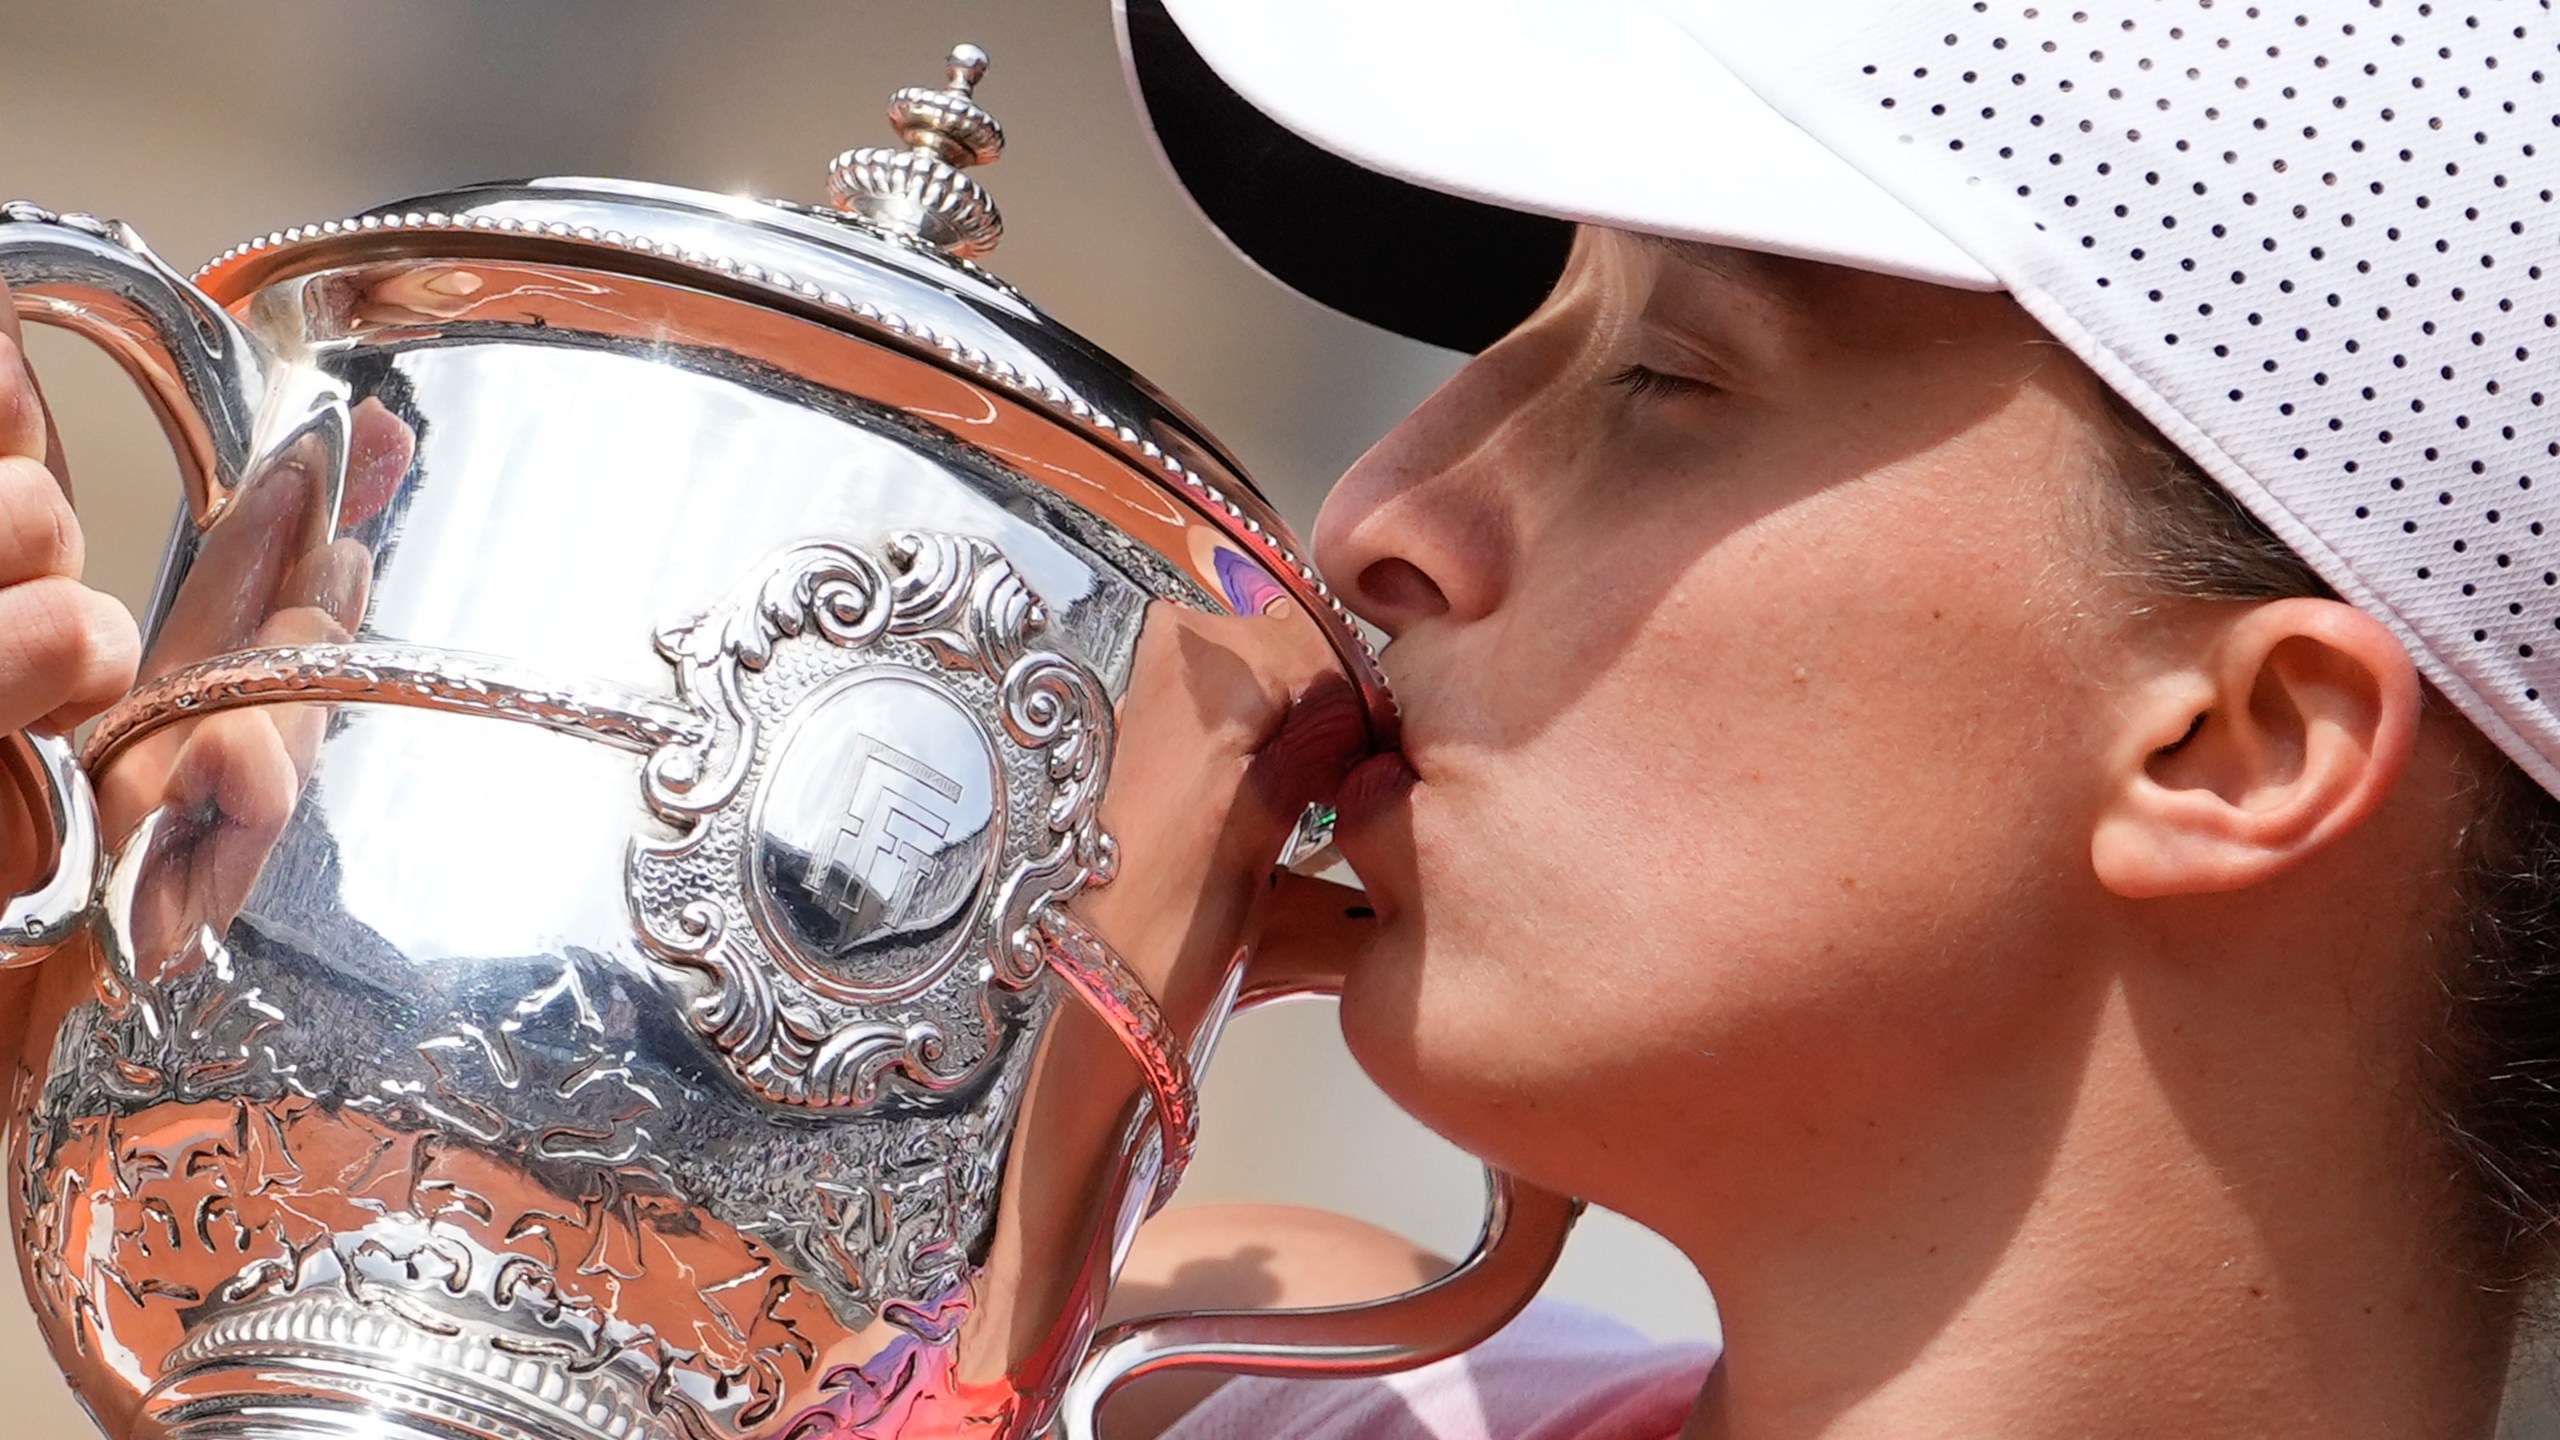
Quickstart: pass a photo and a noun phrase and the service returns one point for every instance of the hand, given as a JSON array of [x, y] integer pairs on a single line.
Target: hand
[[66, 651], [1228, 728]]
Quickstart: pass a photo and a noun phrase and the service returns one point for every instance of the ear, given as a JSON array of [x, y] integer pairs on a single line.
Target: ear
[[2288, 727]]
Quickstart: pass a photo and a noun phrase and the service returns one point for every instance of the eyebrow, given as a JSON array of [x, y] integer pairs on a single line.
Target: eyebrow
[[1716, 260], [1745, 284]]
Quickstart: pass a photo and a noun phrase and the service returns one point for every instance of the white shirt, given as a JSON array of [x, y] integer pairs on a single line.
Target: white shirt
[[1556, 1373]]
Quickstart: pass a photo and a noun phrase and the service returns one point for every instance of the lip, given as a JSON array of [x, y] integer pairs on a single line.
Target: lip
[[1318, 742], [1372, 787]]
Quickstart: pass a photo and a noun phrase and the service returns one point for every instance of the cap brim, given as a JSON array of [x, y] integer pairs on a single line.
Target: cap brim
[[1433, 266], [1420, 163]]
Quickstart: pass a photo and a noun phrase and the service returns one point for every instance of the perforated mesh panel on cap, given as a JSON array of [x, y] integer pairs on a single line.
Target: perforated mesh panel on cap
[[2313, 241]]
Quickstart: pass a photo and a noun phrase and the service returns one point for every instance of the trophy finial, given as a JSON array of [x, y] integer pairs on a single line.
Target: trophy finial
[[920, 191]]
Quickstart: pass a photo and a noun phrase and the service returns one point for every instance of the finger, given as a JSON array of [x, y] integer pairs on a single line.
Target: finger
[[145, 771], [301, 727], [234, 769], [66, 652], [299, 731], [54, 458], [22, 429], [8, 314], [231, 586], [230, 790], [47, 441], [301, 625], [114, 657], [23, 829], [138, 778], [332, 580], [380, 449], [39, 536]]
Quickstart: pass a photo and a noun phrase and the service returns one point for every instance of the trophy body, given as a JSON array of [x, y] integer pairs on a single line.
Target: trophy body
[[666, 876]]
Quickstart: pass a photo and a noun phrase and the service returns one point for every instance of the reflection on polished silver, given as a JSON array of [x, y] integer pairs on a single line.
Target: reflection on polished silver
[[886, 792], [98, 278], [44, 917], [771, 252], [920, 191], [1310, 850], [978, 340], [606, 894], [1103, 981], [387, 675]]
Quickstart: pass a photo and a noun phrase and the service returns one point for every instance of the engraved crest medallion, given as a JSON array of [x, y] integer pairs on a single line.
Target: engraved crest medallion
[[888, 792], [877, 822]]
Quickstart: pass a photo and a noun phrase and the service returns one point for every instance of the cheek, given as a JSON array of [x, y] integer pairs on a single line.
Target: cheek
[[1791, 812]]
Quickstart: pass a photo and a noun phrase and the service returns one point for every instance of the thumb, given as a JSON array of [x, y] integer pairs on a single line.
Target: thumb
[[54, 460]]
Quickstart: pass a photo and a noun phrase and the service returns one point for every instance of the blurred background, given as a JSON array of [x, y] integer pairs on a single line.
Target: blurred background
[[206, 124]]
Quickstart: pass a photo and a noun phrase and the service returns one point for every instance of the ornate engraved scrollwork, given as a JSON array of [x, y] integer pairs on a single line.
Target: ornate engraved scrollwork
[[887, 791]]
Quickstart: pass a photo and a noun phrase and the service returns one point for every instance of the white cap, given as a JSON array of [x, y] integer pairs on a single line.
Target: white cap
[[2308, 239]]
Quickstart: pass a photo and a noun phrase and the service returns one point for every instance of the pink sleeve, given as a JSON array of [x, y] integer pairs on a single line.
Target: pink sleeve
[[1556, 1373]]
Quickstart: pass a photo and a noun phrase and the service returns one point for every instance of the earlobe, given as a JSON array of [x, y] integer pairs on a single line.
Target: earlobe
[[2287, 729]]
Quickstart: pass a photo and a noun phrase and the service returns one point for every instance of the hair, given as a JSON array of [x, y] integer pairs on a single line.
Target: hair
[[2495, 1090]]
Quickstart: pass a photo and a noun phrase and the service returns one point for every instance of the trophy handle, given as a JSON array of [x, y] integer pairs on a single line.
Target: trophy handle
[[1525, 1228], [34, 923], [204, 377]]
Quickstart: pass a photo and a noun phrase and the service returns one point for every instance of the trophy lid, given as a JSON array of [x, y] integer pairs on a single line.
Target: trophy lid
[[892, 260]]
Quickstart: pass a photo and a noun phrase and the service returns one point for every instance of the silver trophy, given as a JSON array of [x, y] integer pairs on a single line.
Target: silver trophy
[[680, 843]]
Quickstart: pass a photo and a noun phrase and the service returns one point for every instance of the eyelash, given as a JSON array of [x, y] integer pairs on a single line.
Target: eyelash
[[1643, 381]]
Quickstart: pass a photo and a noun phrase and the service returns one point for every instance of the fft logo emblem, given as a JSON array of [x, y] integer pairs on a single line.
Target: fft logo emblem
[[877, 820], [894, 829]]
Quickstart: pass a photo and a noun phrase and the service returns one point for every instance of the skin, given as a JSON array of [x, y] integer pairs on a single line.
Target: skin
[[2008, 988], [66, 650], [2005, 987]]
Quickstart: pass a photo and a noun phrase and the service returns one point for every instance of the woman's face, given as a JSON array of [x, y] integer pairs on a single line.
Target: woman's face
[[1742, 612]]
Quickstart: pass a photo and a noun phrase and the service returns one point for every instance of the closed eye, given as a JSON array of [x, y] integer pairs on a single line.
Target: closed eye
[[1645, 382]]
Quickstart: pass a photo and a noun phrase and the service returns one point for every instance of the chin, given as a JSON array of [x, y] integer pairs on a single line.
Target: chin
[[1383, 1022], [1453, 1066], [1437, 1009]]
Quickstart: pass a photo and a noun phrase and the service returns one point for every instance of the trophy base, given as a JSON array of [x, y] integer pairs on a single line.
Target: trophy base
[[320, 1365], [322, 1425], [315, 1414]]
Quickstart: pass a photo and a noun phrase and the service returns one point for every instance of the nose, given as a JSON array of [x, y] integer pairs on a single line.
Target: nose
[[1421, 528]]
